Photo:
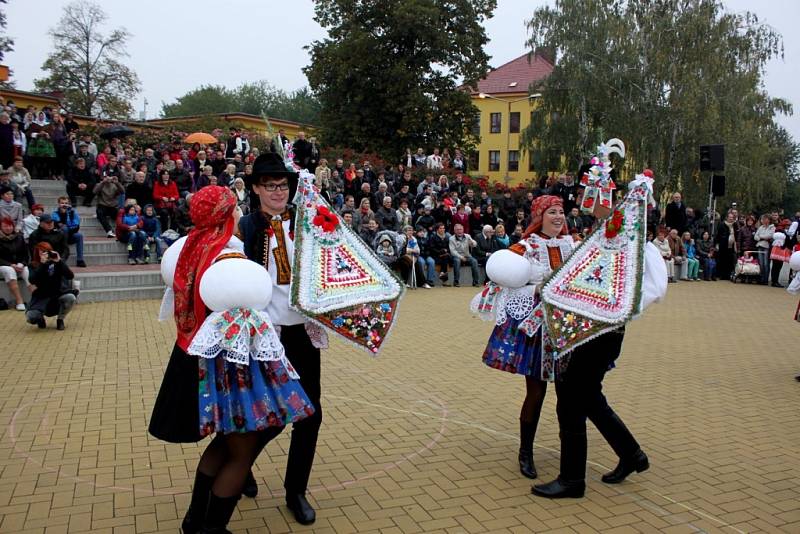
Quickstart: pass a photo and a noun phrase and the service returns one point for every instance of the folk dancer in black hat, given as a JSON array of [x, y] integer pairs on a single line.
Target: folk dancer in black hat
[[268, 236]]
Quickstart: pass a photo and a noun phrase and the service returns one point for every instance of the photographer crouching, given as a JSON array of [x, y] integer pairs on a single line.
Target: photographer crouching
[[53, 294]]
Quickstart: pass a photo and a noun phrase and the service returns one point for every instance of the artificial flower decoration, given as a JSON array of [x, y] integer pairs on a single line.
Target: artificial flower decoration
[[325, 219], [614, 225]]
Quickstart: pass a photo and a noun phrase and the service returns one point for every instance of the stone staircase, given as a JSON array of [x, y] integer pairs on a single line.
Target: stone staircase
[[107, 276]]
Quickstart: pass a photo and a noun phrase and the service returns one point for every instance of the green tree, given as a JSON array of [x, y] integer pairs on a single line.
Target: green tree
[[257, 98], [203, 100], [86, 64], [6, 42], [386, 74], [665, 76]]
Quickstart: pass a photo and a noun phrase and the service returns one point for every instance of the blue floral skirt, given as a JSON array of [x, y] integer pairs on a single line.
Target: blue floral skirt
[[514, 351], [247, 398]]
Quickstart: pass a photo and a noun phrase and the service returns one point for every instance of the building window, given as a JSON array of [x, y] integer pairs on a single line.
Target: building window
[[513, 160], [474, 161], [494, 160], [476, 125], [513, 122], [494, 121]]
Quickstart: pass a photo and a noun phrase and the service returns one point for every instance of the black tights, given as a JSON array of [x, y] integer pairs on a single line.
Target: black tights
[[535, 390], [228, 459]]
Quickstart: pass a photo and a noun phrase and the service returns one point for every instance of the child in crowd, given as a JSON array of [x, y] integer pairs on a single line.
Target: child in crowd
[[692, 261], [151, 226], [707, 252]]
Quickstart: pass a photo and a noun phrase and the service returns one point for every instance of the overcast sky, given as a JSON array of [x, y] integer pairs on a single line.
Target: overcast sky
[[178, 45]]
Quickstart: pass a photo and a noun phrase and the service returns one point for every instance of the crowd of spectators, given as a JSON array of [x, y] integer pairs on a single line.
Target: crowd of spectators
[[421, 213]]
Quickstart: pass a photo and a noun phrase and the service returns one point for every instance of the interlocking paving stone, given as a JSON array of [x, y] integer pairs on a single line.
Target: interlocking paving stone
[[423, 438]]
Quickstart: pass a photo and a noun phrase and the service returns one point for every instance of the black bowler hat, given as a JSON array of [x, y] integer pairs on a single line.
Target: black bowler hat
[[270, 165]]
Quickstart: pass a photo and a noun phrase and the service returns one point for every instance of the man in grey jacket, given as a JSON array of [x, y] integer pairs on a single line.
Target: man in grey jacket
[[460, 245]]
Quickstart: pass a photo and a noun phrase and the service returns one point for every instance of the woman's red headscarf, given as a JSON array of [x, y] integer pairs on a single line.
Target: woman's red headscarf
[[211, 210], [538, 207]]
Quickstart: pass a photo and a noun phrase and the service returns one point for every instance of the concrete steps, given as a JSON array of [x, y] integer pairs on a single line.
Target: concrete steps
[[108, 276]]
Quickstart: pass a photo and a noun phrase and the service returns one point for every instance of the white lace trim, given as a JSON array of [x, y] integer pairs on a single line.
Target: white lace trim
[[209, 342]]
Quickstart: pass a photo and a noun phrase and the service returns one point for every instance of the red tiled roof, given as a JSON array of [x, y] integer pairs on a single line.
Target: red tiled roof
[[516, 75]]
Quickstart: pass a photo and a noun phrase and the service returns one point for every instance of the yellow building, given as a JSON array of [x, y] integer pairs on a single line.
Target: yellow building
[[23, 99], [505, 105], [252, 123]]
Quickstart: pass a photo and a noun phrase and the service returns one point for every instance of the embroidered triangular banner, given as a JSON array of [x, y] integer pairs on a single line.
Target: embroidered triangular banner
[[339, 282]]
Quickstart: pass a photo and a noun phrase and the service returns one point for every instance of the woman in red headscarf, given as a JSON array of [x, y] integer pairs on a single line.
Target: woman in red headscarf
[[228, 373], [516, 274]]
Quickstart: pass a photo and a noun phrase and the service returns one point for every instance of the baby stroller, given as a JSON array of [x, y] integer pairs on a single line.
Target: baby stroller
[[747, 269]]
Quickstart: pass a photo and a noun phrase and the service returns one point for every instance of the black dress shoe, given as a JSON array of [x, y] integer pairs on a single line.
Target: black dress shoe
[[526, 466], [60, 324], [797, 378], [302, 510], [560, 489], [776, 284], [638, 463], [41, 323], [250, 488]]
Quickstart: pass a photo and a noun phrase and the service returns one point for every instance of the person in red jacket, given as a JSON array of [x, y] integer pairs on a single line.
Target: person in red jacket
[[165, 198]]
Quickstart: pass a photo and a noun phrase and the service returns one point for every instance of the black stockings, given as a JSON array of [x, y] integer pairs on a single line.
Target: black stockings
[[535, 390], [228, 459]]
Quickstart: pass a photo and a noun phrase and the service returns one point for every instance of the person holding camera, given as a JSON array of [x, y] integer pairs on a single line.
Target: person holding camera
[[53, 295]]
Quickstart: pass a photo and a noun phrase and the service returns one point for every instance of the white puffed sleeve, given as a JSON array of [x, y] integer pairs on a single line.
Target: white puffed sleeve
[[236, 283], [169, 261], [508, 269], [654, 278]]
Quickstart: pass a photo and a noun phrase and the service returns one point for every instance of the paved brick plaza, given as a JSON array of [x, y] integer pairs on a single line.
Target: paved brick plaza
[[422, 439]]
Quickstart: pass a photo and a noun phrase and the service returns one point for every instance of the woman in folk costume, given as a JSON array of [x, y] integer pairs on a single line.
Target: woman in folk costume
[[228, 374], [516, 274], [794, 285]]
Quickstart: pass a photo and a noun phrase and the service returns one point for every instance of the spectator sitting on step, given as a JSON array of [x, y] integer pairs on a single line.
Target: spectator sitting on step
[[501, 240], [678, 252], [369, 233], [412, 254], [139, 189], [706, 251], [425, 255], [692, 260], [68, 221], [53, 280], [183, 221], [129, 232], [31, 222], [109, 192], [242, 195], [6, 181], [151, 227], [165, 199], [662, 244], [20, 176], [461, 245], [14, 260], [206, 175], [80, 182], [9, 208], [484, 249]]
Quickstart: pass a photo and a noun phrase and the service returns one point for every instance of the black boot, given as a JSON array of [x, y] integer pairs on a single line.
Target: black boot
[[300, 507], [220, 510], [193, 519], [527, 433], [250, 488], [560, 489], [638, 462]]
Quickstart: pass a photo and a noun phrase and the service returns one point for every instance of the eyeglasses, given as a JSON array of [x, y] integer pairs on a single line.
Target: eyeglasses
[[271, 188]]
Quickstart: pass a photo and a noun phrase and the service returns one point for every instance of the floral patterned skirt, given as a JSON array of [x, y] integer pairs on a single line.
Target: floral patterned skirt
[[245, 398], [514, 351]]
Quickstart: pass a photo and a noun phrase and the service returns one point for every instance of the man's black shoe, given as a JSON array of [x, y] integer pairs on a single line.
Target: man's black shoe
[[776, 284], [60, 324], [81, 263], [638, 463], [41, 323], [456, 284], [302, 510], [250, 488], [560, 489]]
